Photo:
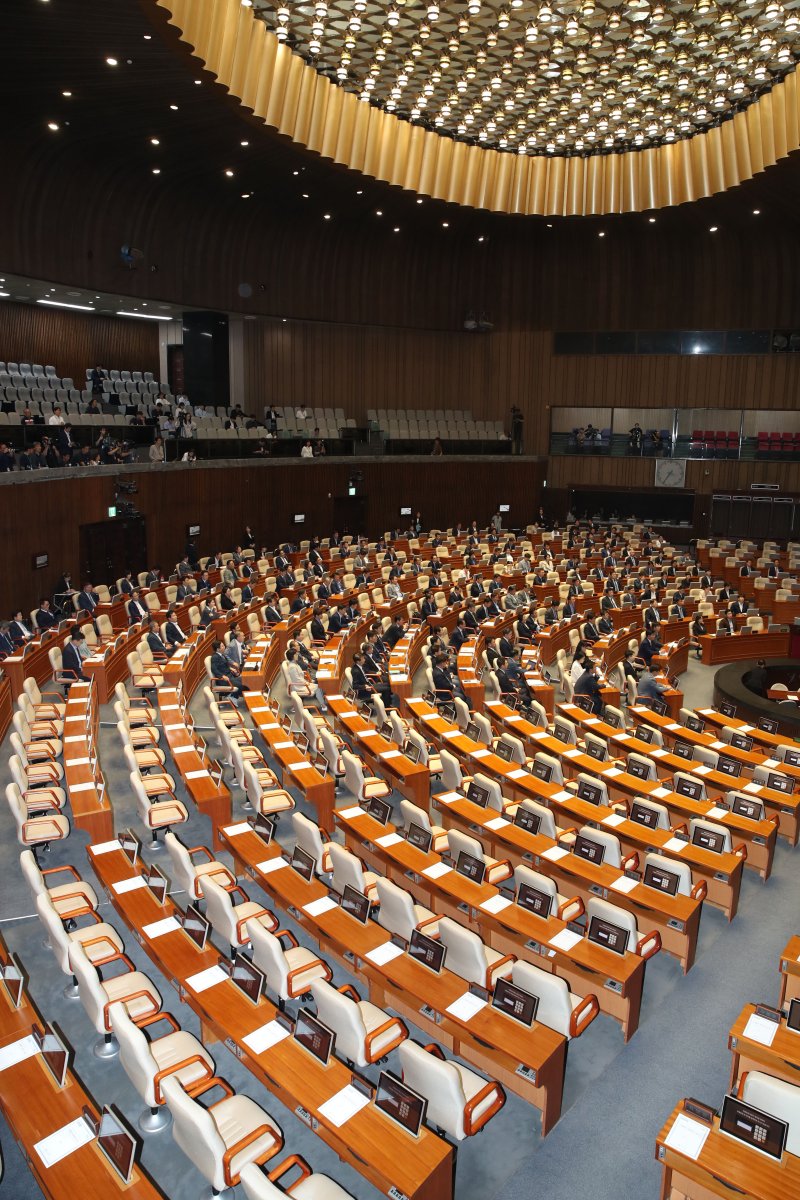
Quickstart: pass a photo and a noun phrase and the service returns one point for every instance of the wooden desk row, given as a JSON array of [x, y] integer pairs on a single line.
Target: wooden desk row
[[83, 779], [317, 786], [211, 799], [412, 780]]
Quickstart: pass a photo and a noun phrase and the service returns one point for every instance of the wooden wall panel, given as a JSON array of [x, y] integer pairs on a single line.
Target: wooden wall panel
[[73, 341], [265, 495]]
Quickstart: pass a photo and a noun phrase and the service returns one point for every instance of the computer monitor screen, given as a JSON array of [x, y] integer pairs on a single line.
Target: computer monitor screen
[[527, 820], [695, 724], [426, 951], [478, 795], [689, 788], [708, 839], [400, 1104], [639, 770], [612, 719], [301, 742], [659, 706], [419, 837], [386, 731], [302, 862], [248, 978], [515, 1002], [532, 900], [130, 845], [471, 867], [742, 742], [729, 766], [584, 702], [196, 925], [590, 792], [313, 1036], [505, 751], [661, 880], [378, 809], [355, 903], [792, 758], [768, 725], [299, 518], [643, 814], [683, 750], [743, 806], [117, 1143], [604, 933], [588, 849], [504, 508], [157, 883], [596, 750], [645, 733], [13, 979], [726, 708], [755, 1128], [412, 752], [542, 771], [265, 827], [779, 783], [793, 1019], [472, 732], [405, 512], [55, 1054], [563, 733], [448, 711]]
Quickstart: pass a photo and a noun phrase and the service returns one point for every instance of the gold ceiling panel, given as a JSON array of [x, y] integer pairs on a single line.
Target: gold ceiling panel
[[331, 116]]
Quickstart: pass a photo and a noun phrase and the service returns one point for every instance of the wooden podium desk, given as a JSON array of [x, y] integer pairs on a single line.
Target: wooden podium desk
[[673, 658], [616, 980], [790, 971], [736, 647], [422, 1169], [782, 1058], [725, 1167], [529, 1062], [34, 1108], [91, 807], [211, 799], [318, 788], [412, 780]]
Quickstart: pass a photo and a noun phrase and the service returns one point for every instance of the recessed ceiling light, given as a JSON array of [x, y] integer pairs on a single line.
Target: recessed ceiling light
[[378, 212], [67, 94], [756, 212], [295, 172], [53, 125], [360, 192], [445, 224], [147, 36], [713, 228], [244, 143], [305, 195], [174, 107], [112, 62], [155, 141], [63, 304], [245, 195], [5, 295], [142, 316], [229, 173], [601, 233], [480, 239], [198, 82], [419, 202], [283, 319], [549, 225], [651, 220], [326, 216], [156, 170], [396, 229]]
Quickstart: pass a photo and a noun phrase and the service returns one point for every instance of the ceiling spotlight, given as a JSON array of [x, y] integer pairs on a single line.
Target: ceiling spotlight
[[601, 233], [378, 212], [326, 216], [53, 125], [652, 220], [713, 228], [396, 229], [112, 62], [156, 170], [445, 224], [245, 195], [155, 142], [229, 173], [244, 143], [67, 94], [756, 212], [174, 107]]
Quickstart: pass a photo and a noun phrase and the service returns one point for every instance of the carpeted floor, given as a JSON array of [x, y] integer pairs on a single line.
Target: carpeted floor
[[616, 1097]]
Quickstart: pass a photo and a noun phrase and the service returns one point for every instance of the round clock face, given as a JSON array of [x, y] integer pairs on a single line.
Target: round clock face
[[670, 474]]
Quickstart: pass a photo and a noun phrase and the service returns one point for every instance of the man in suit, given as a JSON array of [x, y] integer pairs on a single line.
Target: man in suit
[[337, 587], [738, 608], [126, 584], [678, 612], [72, 656], [456, 595], [648, 687], [182, 593], [281, 561], [608, 602], [235, 652], [772, 571], [506, 645], [744, 570], [299, 603], [156, 642], [335, 623], [137, 611], [19, 631], [317, 629], [172, 630], [284, 582], [445, 681], [88, 598], [184, 567], [470, 617], [6, 641], [588, 685], [396, 631], [225, 602], [428, 606], [228, 574], [224, 670], [651, 615], [476, 587], [203, 583], [208, 613], [393, 591], [605, 625], [649, 645], [272, 614], [590, 632], [247, 594], [45, 619]]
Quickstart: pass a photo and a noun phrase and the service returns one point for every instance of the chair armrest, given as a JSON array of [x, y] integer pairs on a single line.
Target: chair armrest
[[141, 994], [571, 910], [241, 926], [201, 850], [741, 851], [402, 1034], [290, 975], [43, 751], [179, 1066], [501, 869], [241, 891], [499, 962], [478, 1098], [428, 921], [243, 1143], [347, 989], [285, 933], [212, 1082], [40, 799], [432, 1048], [294, 1160], [160, 1016], [631, 863], [699, 890], [117, 956], [583, 1014], [682, 828], [570, 832], [649, 944]]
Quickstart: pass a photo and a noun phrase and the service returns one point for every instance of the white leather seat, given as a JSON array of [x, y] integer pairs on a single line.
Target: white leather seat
[[133, 988], [452, 777], [430, 760], [496, 799], [647, 765], [147, 1062], [233, 921], [348, 869], [470, 958], [310, 1186], [777, 1097], [34, 831], [496, 869], [264, 797], [40, 727], [289, 972], [365, 1034], [459, 1101], [308, 836], [660, 862], [547, 826], [550, 760], [46, 705], [559, 1008], [155, 783], [209, 1136], [99, 939], [646, 946], [417, 816], [661, 813], [679, 775], [68, 899], [564, 908], [332, 754], [188, 873], [156, 814], [364, 787], [712, 827], [399, 914], [45, 745], [35, 796]]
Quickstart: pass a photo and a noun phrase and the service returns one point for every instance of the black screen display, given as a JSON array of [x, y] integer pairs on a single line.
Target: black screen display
[[709, 839], [542, 771], [527, 820], [196, 925], [355, 903], [589, 850], [400, 1104], [643, 814], [729, 766], [379, 809], [515, 1002], [302, 862], [589, 792], [603, 933], [531, 899], [313, 1036], [420, 837], [689, 788], [478, 795], [639, 770], [661, 880], [471, 867], [753, 1127], [426, 951], [247, 978]]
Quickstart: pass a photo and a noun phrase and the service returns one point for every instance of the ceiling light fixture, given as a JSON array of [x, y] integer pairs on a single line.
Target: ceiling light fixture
[[142, 316], [63, 304], [53, 125]]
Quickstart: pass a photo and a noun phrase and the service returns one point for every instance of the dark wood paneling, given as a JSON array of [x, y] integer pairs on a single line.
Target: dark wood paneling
[[265, 495], [73, 341]]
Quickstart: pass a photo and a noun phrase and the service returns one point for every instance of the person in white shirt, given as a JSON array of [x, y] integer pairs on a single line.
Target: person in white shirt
[[300, 683], [56, 417], [307, 451], [301, 412], [578, 667]]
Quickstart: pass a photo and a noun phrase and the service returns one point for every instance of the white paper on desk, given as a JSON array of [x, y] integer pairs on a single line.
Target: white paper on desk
[[452, 733], [437, 870], [687, 1136], [497, 823], [591, 721], [746, 728], [388, 839], [75, 737], [555, 853], [302, 765], [283, 746], [105, 847], [367, 733], [565, 940], [623, 884], [573, 752], [675, 845], [64, 1141], [623, 737], [317, 907], [172, 728], [612, 819], [187, 749], [351, 712], [76, 762], [270, 864], [660, 792], [515, 720], [197, 774], [771, 762], [495, 904], [755, 788], [269, 725], [717, 745], [261, 708], [760, 1030], [658, 752], [390, 754], [83, 787], [383, 954], [235, 830], [393, 678], [265, 1037], [466, 1007], [481, 753], [612, 771], [701, 770], [715, 813], [562, 796], [449, 797], [349, 813], [79, 718], [18, 1051], [707, 712], [204, 980], [538, 734], [519, 773], [128, 885], [158, 928], [336, 697], [672, 725], [344, 1105]]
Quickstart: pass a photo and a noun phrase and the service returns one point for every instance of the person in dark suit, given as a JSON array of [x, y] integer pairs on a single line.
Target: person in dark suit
[[137, 610], [445, 682], [397, 630], [651, 615], [678, 612], [173, 632], [182, 592], [649, 645], [203, 583], [6, 641], [744, 570], [470, 617], [428, 607], [126, 584], [272, 614], [506, 645], [45, 619], [361, 684], [772, 571], [19, 631], [284, 582], [335, 624], [588, 685], [608, 602], [737, 608], [224, 670], [156, 642], [726, 624], [208, 613], [605, 625], [317, 629], [590, 632], [88, 598], [299, 603], [71, 660], [247, 594], [225, 601], [337, 587]]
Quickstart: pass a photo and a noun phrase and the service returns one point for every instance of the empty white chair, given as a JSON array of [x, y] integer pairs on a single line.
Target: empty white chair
[[459, 1101], [310, 1186], [364, 787], [348, 869], [309, 837], [645, 765], [188, 873], [100, 940], [660, 862], [720, 832], [365, 1034], [156, 814], [469, 957], [133, 988], [777, 1097], [558, 1008], [552, 763], [560, 906], [645, 946], [289, 971], [36, 832], [412, 815], [147, 1062], [70, 900], [496, 869], [209, 1137], [47, 705], [612, 851], [233, 921], [399, 914]]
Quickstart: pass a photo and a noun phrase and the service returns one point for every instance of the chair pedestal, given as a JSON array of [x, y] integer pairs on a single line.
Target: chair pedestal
[[106, 1047], [71, 991], [154, 1120]]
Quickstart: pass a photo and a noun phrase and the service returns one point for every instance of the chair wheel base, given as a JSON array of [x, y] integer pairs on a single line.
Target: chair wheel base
[[106, 1048], [71, 992], [155, 1120]]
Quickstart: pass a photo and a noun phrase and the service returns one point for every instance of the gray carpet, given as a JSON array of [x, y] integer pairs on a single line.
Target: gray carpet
[[616, 1096]]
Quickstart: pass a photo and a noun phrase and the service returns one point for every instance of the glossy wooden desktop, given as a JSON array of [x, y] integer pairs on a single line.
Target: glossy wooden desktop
[[211, 799], [317, 786], [736, 647], [790, 971], [91, 806], [781, 1059]]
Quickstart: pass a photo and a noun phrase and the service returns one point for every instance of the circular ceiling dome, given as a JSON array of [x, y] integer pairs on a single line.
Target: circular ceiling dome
[[558, 77]]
